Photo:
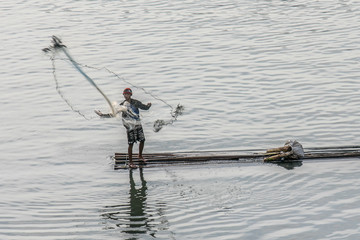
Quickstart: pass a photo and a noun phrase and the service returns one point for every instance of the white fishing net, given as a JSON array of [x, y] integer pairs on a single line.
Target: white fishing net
[[131, 121]]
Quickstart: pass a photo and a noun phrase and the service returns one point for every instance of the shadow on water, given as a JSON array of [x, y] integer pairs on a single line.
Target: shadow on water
[[290, 165], [136, 218]]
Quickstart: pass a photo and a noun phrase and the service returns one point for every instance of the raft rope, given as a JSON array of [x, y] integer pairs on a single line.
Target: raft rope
[[58, 45]]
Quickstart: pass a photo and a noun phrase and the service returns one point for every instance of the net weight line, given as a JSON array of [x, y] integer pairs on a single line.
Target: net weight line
[[58, 89], [58, 45]]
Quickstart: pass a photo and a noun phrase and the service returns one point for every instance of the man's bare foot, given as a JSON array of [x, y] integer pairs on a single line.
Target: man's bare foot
[[133, 166], [142, 159]]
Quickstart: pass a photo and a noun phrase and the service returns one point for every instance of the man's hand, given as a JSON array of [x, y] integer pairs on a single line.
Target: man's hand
[[106, 115], [98, 113]]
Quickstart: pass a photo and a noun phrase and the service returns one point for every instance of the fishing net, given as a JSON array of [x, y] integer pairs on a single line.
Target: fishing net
[[57, 46], [159, 124]]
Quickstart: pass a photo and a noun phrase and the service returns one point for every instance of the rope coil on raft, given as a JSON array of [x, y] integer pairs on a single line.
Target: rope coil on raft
[[58, 45]]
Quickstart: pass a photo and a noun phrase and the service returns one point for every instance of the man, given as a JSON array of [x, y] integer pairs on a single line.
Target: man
[[131, 121]]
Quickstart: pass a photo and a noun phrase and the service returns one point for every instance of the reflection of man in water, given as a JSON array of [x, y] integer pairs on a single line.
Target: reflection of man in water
[[133, 218], [138, 218]]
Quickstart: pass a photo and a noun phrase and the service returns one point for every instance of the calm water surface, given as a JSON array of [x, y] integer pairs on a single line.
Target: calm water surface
[[251, 74]]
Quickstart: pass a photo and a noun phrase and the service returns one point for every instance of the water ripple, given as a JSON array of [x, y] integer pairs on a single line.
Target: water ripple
[[251, 74]]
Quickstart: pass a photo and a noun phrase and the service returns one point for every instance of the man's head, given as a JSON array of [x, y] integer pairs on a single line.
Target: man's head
[[127, 93]]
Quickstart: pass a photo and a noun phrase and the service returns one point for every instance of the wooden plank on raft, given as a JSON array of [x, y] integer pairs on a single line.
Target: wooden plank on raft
[[223, 156], [331, 155], [186, 158]]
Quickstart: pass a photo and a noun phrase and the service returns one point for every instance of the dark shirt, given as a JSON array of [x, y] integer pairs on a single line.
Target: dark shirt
[[134, 105]]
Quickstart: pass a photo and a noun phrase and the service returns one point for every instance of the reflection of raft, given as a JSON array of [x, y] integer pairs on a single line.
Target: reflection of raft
[[237, 156]]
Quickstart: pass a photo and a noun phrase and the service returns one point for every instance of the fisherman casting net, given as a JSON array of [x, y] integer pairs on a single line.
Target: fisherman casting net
[[58, 48]]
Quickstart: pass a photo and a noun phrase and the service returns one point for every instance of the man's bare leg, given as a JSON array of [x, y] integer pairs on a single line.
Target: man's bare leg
[[141, 148], [130, 150]]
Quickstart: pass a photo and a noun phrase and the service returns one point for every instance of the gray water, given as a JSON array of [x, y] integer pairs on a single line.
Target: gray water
[[251, 74]]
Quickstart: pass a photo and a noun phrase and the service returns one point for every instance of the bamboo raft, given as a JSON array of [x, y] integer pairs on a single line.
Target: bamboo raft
[[244, 156]]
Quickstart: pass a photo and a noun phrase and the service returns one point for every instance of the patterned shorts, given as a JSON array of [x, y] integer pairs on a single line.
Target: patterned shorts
[[136, 134]]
